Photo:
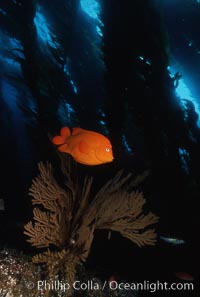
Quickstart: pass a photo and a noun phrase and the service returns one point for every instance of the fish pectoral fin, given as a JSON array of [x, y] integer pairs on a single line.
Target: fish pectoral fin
[[77, 130], [58, 140], [84, 147], [64, 148]]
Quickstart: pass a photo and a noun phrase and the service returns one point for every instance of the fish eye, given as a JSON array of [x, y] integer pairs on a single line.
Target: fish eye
[[107, 149]]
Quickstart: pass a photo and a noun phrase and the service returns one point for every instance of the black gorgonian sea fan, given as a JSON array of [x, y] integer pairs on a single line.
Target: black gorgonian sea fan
[[67, 217]]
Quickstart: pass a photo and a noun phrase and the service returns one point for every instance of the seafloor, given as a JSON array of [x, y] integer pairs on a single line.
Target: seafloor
[[21, 278]]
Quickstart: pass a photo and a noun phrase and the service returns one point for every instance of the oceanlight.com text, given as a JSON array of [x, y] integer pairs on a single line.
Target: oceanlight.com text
[[151, 286], [91, 285]]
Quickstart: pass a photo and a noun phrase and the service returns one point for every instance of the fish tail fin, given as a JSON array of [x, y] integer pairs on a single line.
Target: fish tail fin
[[65, 132], [58, 140], [64, 148], [61, 139]]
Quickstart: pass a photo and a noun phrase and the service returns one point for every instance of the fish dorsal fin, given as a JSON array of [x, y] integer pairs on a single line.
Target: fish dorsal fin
[[77, 130]]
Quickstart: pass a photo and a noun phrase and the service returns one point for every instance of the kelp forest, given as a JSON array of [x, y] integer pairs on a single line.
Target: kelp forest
[[100, 143]]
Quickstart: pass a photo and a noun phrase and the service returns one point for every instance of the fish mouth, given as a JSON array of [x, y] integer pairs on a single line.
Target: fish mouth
[[105, 160], [111, 159], [102, 158]]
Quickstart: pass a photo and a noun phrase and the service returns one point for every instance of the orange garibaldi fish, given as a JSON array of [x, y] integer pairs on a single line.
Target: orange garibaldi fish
[[86, 147]]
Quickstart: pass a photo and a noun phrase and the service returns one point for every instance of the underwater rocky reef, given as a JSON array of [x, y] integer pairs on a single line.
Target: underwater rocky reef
[[19, 277]]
